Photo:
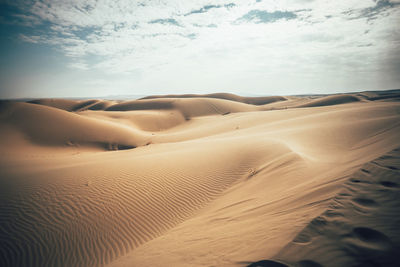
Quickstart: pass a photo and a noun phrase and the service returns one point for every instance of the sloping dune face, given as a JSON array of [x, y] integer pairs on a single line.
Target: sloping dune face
[[248, 100], [360, 226], [43, 125], [331, 100], [211, 180], [90, 214]]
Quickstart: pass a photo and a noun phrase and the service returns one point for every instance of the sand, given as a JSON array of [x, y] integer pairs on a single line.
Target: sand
[[201, 180]]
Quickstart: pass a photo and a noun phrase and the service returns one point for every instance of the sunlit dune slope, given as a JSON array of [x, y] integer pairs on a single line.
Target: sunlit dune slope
[[248, 100], [44, 125], [74, 105], [331, 100]]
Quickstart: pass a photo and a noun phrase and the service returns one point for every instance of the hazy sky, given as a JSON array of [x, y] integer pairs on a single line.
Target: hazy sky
[[81, 48]]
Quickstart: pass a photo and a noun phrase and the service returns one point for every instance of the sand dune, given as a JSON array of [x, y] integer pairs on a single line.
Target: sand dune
[[201, 180], [188, 107], [360, 226], [42, 125], [65, 104], [331, 100], [247, 100], [146, 120], [75, 105]]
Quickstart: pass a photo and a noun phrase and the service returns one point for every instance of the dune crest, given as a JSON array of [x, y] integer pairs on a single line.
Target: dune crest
[[331, 100], [247, 100]]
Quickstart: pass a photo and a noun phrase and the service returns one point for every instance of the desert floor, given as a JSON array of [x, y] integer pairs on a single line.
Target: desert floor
[[201, 180]]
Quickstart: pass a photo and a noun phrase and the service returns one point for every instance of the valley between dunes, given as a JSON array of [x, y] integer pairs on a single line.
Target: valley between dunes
[[201, 180]]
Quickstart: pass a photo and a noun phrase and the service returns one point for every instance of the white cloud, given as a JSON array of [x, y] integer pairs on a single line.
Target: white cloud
[[34, 39], [79, 65]]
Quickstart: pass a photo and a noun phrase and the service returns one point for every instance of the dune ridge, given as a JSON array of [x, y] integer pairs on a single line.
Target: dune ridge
[[74, 105], [331, 100], [247, 100]]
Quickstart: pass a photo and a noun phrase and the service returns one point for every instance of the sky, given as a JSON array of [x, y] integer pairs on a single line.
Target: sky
[[97, 48]]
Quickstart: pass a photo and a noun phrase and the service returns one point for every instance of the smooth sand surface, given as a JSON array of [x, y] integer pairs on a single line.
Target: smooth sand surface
[[201, 180]]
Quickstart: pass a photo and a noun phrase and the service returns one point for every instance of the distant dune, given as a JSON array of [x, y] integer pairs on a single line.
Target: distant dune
[[247, 100], [331, 100], [201, 180]]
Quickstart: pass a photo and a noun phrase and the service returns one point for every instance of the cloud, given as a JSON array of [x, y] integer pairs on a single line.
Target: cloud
[[26, 20], [206, 8], [262, 16], [79, 66], [165, 21], [203, 9], [29, 39], [381, 5]]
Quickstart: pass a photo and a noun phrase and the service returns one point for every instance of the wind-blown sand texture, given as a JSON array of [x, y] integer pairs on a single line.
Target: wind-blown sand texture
[[201, 180]]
